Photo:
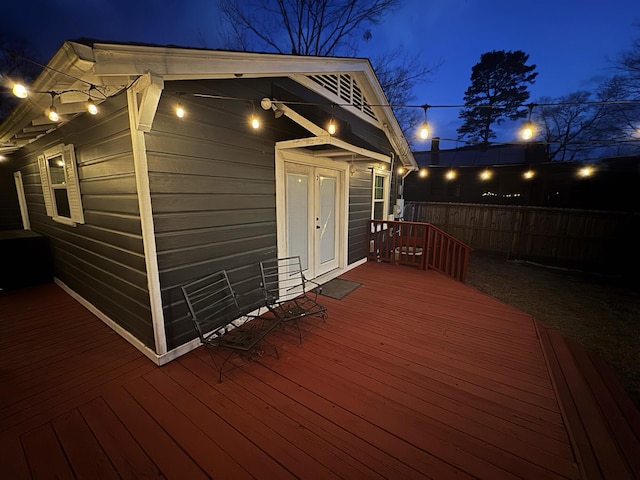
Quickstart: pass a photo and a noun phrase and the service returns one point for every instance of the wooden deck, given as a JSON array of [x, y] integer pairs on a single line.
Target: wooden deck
[[412, 376]]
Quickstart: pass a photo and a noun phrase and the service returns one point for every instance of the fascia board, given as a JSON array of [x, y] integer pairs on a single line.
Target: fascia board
[[65, 60], [178, 63]]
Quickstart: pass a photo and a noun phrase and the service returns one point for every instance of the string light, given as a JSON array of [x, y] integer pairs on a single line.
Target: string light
[[485, 175], [19, 90], [423, 172], [528, 132], [91, 107], [424, 129], [254, 121], [585, 172], [528, 128], [180, 110], [451, 174], [331, 128], [52, 113], [529, 174]]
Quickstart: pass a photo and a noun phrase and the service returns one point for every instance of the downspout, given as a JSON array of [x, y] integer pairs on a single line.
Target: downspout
[[392, 170]]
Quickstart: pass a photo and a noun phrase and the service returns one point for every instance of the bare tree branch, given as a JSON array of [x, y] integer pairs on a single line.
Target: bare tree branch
[[306, 27]]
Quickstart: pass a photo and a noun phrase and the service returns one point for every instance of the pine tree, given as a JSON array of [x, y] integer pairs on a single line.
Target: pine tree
[[497, 92]]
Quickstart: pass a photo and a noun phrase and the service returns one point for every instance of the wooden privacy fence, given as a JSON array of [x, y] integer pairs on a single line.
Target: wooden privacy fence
[[418, 244], [598, 241]]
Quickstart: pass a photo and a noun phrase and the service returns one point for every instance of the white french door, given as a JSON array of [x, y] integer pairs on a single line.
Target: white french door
[[313, 213]]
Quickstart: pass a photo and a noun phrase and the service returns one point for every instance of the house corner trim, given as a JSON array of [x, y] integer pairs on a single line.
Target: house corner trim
[[142, 107]]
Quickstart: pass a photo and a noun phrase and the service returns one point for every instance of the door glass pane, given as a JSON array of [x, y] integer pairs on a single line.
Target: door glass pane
[[297, 220], [327, 219], [378, 188], [378, 211]]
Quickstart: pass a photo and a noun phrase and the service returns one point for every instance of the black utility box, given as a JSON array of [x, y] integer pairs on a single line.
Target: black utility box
[[25, 259]]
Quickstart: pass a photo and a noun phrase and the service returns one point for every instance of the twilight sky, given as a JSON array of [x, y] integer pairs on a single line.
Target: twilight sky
[[572, 42]]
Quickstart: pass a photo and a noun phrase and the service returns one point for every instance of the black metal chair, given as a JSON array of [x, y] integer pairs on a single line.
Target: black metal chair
[[287, 294], [220, 322]]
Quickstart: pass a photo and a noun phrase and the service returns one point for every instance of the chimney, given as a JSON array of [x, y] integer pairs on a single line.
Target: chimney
[[435, 151]]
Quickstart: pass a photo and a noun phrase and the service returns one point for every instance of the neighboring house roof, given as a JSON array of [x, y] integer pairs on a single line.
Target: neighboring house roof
[[75, 67], [482, 155]]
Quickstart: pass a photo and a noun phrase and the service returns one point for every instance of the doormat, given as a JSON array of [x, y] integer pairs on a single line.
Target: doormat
[[338, 288]]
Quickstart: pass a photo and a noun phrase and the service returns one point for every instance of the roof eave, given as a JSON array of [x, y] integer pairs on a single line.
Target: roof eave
[[76, 64]]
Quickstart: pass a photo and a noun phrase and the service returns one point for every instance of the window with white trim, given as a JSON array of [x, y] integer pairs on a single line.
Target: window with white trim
[[60, 185], [380, 195]]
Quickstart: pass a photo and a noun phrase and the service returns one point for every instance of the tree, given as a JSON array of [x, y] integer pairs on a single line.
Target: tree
[[398, 74], [628, 65], [325, 28], [302, 27], [585, 124], [497, 92], [566, 123]]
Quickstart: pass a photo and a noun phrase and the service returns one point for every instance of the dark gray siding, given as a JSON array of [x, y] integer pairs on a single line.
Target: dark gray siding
[[212, 182], [103, 259]]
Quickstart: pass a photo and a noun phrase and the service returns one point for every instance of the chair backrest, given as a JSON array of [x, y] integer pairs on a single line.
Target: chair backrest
[[212, 304], [282, 278]]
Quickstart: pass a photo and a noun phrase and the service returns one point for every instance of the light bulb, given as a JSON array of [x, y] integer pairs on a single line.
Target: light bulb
[[180, 111], [255, 123], [53, 114], [451, 174], [485, 175], [529, 174], [332, 128], [424, 172], [19, 90], [424, 131], [400, 170], [91, 107], [586, 172], [527, 132]]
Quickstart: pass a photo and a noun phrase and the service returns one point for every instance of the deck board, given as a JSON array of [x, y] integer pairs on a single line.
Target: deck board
[[129, 459], [412, 376]]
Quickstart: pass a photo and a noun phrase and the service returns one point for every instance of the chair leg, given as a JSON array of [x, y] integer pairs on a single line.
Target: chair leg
[[275, 349], [222, 366], [299, 333]]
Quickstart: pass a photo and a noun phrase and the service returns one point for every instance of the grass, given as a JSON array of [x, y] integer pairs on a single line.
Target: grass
[[602, 314]]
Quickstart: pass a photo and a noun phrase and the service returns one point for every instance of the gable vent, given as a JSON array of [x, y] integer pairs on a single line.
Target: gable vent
[[346, 88]]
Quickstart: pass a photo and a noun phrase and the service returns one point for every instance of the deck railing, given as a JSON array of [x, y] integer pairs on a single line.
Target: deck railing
[[422, 245]]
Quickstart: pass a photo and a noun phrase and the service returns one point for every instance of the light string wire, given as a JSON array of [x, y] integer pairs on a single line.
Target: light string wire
[[346, 104]]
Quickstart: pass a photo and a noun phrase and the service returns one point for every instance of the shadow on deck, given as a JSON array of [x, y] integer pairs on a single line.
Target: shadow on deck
[[413, 375]]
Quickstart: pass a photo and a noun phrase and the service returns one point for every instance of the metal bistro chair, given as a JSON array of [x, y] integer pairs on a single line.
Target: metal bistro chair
[[220, 322], [286, 292]]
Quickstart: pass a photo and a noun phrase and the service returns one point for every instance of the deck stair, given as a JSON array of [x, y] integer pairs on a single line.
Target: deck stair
[[603, 422], [422, 245]]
